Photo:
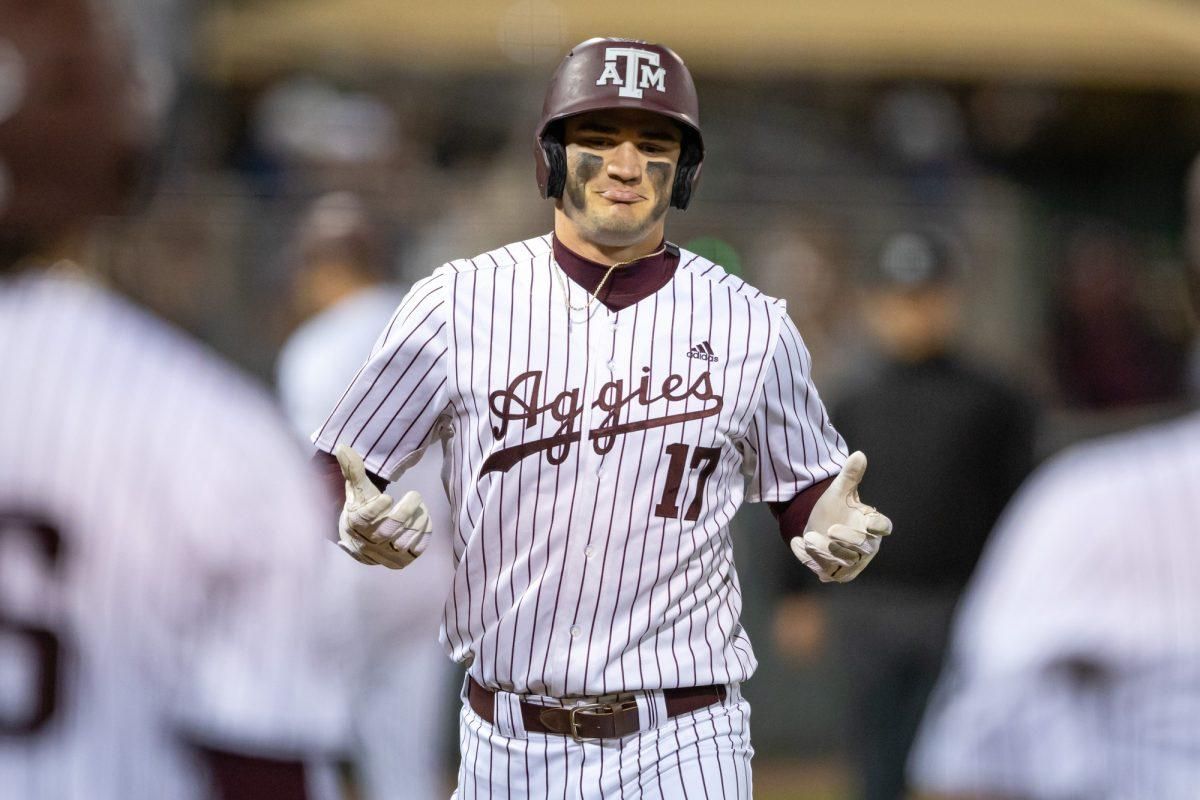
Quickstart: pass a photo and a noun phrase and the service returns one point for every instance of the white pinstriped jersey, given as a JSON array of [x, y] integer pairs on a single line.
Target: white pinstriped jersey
[[593, 461], [1075, 666], [160, 543]]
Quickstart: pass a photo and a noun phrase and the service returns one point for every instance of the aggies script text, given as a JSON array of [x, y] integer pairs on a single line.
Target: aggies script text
[[522, 400]]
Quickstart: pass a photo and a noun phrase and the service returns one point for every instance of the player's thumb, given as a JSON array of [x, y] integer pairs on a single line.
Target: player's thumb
[[846, 483], [359, 488]]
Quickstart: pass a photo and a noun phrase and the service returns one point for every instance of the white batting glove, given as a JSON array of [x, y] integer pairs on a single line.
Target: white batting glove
[[843, 533], [371, 528]]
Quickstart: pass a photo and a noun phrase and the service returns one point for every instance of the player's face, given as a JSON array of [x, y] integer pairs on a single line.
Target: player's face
[[620, 170]]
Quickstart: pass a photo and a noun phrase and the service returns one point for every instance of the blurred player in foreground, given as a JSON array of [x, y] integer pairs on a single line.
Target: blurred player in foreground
[[339, 287], [160, 545], [604, 401], [1074, 669]]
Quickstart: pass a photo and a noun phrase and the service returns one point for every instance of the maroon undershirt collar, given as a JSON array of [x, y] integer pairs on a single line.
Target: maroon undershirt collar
[[628, 284]]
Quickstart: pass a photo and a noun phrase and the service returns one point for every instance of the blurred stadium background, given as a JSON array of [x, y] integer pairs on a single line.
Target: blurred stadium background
[[1053, 137]]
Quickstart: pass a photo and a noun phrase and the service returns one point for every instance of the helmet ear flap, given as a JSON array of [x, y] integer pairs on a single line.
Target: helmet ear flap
[[556, 163], [681, 192], [687, 173]]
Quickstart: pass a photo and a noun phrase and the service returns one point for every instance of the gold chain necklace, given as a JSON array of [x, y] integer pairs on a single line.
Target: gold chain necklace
[[593, 295]]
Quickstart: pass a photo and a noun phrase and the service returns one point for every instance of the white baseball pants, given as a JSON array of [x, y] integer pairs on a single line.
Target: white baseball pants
[[703, 755]]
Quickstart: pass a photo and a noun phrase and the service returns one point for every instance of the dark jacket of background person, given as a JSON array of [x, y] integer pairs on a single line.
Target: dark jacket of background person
[[949, 445]]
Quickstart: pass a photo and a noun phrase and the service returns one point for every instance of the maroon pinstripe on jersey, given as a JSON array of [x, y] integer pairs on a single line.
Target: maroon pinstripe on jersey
[[593, 462]]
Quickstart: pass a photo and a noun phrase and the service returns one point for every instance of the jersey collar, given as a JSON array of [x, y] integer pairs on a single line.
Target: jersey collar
[[629, 284]]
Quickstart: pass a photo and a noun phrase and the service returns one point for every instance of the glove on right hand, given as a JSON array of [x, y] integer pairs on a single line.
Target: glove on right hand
[[371, 528]]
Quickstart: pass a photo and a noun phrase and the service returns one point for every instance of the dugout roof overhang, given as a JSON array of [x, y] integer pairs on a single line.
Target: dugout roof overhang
[[1134, 43]]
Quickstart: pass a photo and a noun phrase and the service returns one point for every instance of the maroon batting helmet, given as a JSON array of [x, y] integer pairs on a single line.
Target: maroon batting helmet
[[604, 74]]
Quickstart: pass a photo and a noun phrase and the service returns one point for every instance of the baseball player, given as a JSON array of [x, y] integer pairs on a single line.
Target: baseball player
[[159, 555], [604, 401], [339, 278], [1074, 667]]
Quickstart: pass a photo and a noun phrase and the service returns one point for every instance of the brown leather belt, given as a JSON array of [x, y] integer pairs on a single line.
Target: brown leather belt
[[593, 720]]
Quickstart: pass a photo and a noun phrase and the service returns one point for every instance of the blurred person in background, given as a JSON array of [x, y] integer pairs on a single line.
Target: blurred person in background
[[1109, 350], [949, 444], [341, 292], [1074, 670], [163, 601], [802, 260]]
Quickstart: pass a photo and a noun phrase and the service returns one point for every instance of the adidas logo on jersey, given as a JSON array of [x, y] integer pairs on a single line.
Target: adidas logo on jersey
[[703, 351]]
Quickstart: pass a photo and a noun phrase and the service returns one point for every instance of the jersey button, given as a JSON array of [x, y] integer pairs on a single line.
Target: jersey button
[[589, 551], [575, 631], [612, 366]]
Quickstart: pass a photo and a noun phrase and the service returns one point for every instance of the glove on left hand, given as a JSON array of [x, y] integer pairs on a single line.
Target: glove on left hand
[[843, 534]]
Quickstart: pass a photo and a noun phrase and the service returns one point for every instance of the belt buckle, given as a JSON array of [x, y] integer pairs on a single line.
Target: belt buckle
[[573, 725], [599, 709]]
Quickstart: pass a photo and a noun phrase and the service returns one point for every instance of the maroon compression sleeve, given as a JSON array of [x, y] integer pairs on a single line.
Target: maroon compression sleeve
[[793, 514]]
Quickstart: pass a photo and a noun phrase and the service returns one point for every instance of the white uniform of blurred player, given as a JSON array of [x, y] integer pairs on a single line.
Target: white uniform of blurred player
[[408, 674], [163, 605], [1075, 666], [135, 474]]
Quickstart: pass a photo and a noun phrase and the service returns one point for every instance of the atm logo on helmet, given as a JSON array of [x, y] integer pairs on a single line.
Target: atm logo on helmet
[[642, 71]]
